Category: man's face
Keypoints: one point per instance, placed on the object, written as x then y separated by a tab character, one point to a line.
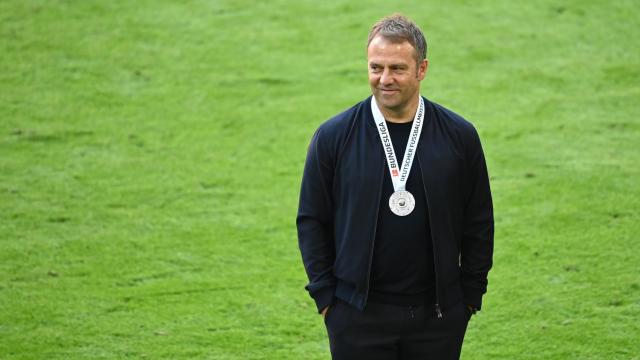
394	76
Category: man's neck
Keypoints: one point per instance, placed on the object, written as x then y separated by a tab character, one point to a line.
403	115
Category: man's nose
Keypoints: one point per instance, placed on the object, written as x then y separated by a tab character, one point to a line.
386	78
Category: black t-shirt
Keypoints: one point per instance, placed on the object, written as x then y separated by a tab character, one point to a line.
402	269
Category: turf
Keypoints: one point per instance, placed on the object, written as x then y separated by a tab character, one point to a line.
151	154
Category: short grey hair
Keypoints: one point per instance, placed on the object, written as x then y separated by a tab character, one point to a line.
398	28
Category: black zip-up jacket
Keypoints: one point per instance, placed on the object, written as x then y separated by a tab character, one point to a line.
340	197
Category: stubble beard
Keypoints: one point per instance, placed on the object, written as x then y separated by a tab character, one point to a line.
394	103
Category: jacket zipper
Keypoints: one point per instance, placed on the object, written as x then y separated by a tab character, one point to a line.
433	243
375	228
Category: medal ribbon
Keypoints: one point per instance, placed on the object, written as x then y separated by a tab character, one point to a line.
399	174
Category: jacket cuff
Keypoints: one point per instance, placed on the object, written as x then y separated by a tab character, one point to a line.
324	297
473	297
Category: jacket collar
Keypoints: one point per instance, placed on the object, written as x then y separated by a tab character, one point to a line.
368	115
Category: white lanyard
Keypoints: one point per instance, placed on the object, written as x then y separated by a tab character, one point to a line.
399	175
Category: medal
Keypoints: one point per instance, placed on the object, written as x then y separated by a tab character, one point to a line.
401	201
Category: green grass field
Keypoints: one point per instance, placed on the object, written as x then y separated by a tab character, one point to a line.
151	154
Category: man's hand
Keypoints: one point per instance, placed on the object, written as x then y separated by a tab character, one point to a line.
324	312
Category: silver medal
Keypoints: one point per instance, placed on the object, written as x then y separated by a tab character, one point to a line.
402	203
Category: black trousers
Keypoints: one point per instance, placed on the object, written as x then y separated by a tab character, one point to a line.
392	332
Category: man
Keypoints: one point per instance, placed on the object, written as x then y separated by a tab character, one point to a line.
397	251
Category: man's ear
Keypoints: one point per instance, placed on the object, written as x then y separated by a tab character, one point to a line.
422	69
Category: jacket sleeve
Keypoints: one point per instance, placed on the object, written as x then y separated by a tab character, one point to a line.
477	236
315	221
